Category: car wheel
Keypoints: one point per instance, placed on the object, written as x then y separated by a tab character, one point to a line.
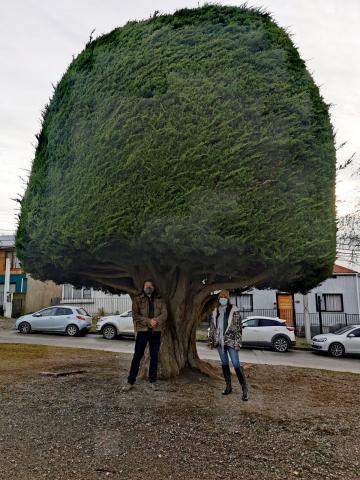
109	332
72	330
281	344
336	349
24	327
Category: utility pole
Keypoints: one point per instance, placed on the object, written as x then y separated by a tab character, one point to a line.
358	293
307	318
7	295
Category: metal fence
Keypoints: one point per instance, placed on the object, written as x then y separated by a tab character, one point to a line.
327	322
99	305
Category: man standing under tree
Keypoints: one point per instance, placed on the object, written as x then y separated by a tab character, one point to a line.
149	315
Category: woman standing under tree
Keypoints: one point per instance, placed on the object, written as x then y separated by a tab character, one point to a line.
226	334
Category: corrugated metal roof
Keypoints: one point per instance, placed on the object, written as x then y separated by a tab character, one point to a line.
7	241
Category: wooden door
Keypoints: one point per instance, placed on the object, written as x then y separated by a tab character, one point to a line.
285	307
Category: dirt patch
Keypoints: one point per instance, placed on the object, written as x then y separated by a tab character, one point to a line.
7	324
298	423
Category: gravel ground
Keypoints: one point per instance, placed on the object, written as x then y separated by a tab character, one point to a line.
297	424
7	323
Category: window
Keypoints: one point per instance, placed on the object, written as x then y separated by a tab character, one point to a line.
68	290
254	322
77	293
82	311
332	302
16	262
48	312
12	289
356	332
342	330
71	293
63	311
267	322
86	293
245	302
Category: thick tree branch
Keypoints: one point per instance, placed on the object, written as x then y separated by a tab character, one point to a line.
232	283
90	273
122	286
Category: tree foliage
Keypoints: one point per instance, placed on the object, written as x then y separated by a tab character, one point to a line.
196	141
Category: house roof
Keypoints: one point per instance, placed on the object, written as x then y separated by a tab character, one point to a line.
340	269
7	241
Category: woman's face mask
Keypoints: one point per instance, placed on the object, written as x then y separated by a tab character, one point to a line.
148	291
223	301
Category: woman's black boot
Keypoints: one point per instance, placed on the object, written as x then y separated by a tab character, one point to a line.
242	380
227	376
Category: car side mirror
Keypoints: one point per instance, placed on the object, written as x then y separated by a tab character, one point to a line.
36	315
351	335
244	325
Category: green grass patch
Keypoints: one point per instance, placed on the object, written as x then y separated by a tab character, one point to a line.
17	353
302	343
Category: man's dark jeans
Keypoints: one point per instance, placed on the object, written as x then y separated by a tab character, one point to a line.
142	338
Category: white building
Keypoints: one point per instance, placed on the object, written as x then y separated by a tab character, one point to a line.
95	301
339	297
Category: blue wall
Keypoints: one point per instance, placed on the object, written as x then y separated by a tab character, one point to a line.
17	280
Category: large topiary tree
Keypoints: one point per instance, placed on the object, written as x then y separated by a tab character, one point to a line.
193	148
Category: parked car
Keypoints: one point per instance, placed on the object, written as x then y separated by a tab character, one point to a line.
113	325
345	340
268	332
59	318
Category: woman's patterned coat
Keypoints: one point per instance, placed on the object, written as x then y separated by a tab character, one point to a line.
233	333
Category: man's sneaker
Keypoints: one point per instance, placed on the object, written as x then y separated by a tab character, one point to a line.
127	387
154	386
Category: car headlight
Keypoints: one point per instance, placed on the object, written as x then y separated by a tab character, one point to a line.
320	339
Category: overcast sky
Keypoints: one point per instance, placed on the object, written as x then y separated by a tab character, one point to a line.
39	37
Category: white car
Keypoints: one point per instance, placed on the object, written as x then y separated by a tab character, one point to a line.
345	340
268	332
113	325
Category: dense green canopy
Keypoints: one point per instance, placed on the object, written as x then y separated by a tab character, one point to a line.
196	140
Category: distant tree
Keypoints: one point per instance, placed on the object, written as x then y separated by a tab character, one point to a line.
194	148
348	225
348	245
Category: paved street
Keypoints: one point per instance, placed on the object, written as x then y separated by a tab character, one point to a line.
294	358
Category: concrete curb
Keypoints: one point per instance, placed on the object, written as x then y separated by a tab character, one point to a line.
304	349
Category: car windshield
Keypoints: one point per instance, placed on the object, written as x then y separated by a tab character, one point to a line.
343	330
82	311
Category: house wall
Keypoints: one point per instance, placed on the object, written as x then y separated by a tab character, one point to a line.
39	294
13	270
263	299
99	302
340	284
344	284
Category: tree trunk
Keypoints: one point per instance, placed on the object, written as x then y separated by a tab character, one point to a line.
178	338
185	301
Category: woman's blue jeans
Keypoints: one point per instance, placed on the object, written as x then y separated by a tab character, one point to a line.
224	356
